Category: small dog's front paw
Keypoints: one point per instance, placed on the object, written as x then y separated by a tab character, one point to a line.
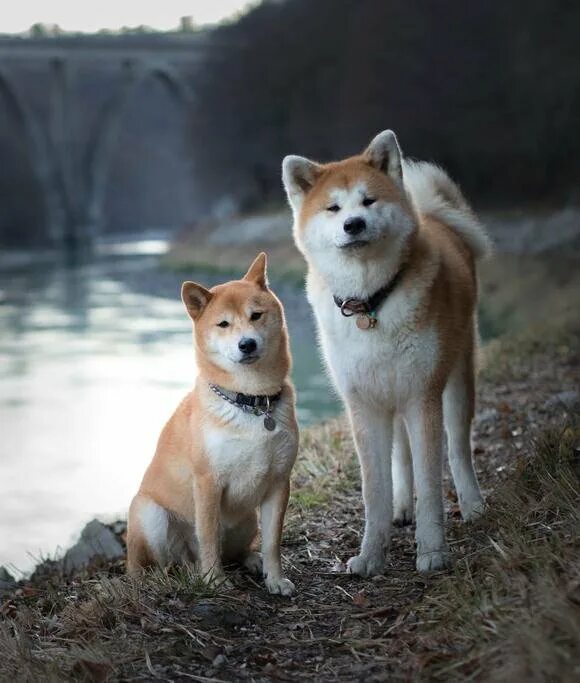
433	561
280	586
363	565
253	563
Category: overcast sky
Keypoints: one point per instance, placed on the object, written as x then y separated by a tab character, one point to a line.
91	15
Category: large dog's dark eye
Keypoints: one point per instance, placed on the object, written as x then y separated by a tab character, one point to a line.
224	323
256	315
368	201
333	208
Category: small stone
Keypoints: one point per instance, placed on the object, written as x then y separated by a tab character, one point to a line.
486	416
219	661
96	541
119	527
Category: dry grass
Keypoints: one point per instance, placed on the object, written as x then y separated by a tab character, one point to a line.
510	608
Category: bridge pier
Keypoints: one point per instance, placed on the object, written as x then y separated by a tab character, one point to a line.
72	169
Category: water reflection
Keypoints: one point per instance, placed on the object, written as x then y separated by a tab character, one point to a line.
93	359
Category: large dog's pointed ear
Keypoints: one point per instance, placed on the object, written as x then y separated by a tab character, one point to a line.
385	155
299	176
195	297
258	271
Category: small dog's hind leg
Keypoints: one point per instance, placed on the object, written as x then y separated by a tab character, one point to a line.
147	534
238	544
254	563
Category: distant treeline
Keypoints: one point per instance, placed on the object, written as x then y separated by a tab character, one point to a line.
491	90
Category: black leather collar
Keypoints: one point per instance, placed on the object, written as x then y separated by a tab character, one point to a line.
256	401
370	306
249	400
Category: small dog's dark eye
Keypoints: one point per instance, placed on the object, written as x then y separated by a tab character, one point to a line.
333	208
256	315
224	323
368	201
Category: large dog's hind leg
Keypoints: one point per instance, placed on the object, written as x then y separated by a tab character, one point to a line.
402	476
373	435
458	408
425	424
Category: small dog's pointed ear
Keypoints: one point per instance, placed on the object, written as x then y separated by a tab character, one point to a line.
299	176
385	155
195	297
258	271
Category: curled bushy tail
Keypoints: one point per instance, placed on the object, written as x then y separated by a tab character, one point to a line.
434	193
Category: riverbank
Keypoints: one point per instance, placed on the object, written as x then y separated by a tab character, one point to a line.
533	276
509	609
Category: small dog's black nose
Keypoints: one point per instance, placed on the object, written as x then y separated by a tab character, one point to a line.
247	345
353	226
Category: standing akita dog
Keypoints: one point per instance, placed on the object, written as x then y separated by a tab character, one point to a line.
391	247
230	445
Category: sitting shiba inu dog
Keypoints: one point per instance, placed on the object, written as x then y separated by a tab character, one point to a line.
391	247
231	444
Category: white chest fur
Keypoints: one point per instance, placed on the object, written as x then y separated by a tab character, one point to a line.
388	363
245	457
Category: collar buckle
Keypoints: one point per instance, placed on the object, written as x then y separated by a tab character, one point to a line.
367	310
345	307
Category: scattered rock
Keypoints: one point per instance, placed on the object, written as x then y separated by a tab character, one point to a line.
219	661
96	541
119	527
570	400
486	416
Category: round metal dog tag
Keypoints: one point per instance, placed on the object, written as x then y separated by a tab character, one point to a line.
270	423
363	322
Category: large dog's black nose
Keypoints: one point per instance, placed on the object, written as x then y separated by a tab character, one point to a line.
353	226
247	345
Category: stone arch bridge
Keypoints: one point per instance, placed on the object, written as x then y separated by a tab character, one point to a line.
69	96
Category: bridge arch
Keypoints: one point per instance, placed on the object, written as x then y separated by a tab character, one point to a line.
39	156
107	135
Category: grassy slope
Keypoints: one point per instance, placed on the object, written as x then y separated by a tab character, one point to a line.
510	608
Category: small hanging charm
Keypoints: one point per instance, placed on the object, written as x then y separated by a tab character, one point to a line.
269	422
366	321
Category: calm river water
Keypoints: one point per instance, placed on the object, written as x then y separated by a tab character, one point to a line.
93	359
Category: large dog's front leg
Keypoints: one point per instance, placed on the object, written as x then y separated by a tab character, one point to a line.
425	426
373	435
272	513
